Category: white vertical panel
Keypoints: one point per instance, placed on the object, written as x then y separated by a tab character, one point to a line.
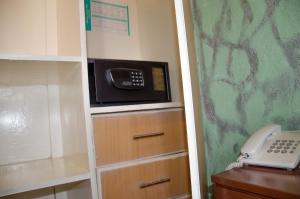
23	27
86	103
188	100
24	124
55	121
71	111
51	27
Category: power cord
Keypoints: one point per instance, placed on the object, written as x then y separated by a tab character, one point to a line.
238	163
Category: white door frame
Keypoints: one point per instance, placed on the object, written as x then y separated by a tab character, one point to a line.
188	99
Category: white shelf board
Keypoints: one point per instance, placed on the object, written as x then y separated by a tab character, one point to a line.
135	107
22	177
29	57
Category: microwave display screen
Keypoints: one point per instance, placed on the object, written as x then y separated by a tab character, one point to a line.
158	79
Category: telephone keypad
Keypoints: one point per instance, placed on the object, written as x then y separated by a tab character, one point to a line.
283	146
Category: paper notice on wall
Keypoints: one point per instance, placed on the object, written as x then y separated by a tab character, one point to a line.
110	17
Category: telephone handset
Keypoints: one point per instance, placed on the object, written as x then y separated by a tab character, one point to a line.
271	147
256	141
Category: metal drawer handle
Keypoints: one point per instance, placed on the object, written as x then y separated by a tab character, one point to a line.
148	135
149	184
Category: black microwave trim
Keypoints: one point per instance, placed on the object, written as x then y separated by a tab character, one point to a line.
100	92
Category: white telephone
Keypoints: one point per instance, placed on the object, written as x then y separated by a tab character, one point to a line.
271	147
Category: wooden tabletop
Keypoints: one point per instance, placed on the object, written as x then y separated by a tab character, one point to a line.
274	183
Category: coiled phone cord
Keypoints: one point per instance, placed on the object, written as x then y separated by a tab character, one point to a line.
238	163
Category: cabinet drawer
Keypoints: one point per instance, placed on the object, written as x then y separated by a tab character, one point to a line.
129	136
162	179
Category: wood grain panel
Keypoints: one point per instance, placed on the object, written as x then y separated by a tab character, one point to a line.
128	182
224	193
130	136
264	182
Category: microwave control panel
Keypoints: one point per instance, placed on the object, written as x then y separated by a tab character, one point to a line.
125	78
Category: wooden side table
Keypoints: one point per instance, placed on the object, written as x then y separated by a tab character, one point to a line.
251	182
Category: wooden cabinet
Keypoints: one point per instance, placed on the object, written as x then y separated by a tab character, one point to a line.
159	180
130	136
142	154
255	182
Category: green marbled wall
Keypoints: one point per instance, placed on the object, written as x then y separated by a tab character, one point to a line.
248	56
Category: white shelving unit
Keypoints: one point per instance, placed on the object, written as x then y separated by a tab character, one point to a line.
45	140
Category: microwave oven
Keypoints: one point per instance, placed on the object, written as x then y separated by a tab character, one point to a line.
118	82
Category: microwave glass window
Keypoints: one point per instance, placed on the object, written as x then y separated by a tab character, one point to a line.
158	79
